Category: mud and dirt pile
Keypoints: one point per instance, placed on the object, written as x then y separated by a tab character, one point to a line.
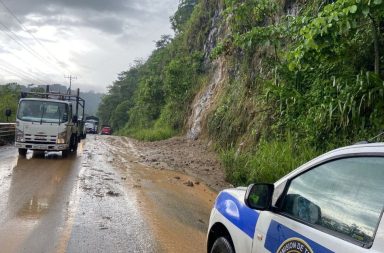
193	157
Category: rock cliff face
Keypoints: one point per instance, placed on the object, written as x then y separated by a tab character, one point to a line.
204	101
226	69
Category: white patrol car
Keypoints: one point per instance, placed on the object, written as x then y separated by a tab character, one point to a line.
333	203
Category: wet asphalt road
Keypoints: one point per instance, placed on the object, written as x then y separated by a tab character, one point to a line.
98	200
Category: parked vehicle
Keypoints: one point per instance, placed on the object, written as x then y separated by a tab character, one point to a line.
91	127
106	130
333	203
48	122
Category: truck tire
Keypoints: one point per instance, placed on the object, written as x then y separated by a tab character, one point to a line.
65	153
73	143
22	151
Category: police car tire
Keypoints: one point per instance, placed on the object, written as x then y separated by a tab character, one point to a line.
222	245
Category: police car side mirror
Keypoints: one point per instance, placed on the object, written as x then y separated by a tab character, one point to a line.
259	196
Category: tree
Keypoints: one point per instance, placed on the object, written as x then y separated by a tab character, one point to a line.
165	39
9	94
182	15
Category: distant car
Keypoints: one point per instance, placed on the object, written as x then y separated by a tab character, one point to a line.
106	130
333	203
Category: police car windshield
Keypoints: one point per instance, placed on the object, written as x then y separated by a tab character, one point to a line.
42	111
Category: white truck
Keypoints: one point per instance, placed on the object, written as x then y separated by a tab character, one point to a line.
49	122
91	126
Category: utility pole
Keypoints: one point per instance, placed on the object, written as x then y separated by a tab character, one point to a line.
70	77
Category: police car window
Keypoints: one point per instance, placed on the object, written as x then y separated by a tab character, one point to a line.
344	196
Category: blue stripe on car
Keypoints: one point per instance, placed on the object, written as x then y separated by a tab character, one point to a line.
237	212
278	233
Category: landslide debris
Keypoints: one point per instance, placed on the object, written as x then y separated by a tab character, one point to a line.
193	157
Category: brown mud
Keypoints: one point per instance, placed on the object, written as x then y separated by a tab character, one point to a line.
193	157
178	205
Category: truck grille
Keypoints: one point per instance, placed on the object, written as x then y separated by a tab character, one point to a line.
40	139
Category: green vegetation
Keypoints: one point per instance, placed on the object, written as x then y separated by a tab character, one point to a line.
272	160
310	81
9	95
301	78
150	101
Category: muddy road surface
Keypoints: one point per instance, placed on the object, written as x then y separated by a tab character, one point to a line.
105	198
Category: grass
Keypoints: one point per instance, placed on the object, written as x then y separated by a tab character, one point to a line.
268	163
150	134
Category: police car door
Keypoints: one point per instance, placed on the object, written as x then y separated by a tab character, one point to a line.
333	207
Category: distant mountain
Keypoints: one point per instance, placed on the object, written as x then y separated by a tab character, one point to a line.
92	101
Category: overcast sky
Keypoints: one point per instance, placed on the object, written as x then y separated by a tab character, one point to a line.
93	40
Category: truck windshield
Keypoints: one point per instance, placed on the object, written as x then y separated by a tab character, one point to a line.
42	111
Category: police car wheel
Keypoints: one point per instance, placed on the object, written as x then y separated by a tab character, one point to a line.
222	245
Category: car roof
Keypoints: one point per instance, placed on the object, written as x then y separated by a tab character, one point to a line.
376	148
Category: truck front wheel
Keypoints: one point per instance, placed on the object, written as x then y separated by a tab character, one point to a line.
73	143
22	151
65	153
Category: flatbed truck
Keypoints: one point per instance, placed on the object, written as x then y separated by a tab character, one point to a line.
49	121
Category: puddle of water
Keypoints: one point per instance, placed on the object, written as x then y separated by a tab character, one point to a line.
32	200
14	232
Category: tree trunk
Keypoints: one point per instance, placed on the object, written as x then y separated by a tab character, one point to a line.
376	45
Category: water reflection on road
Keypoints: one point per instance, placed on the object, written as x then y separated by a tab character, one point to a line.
33	197
101	199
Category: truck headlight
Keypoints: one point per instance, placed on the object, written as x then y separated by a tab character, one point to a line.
19	135
61	137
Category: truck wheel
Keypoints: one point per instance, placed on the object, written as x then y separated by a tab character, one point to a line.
65	153
73	143
22	151
222	245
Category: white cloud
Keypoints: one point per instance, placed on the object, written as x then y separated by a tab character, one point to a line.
91	39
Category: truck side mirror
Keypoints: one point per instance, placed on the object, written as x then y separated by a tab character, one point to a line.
259	196
8	112
74	119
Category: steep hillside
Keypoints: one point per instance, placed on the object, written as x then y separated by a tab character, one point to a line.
271	83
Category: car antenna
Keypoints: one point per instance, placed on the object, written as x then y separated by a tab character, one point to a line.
376	137
370	140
